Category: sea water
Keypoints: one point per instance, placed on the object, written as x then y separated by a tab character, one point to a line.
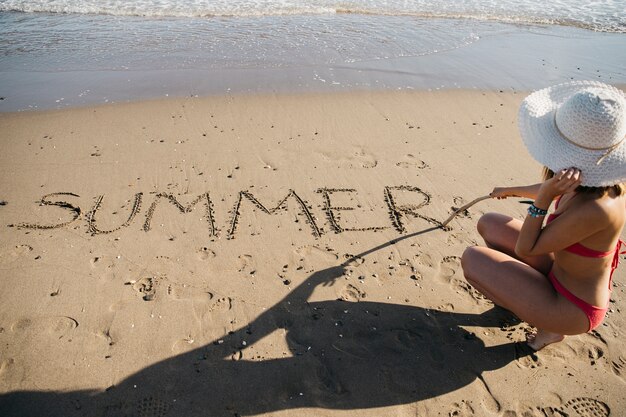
55	53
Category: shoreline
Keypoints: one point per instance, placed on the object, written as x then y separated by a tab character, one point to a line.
510	58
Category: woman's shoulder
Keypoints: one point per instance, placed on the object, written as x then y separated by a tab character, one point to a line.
607	208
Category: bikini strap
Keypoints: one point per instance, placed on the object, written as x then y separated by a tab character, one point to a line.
558	200
618	251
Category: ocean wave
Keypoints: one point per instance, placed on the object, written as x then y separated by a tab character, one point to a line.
617	27
587	16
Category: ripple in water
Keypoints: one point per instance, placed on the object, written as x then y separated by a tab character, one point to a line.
43	42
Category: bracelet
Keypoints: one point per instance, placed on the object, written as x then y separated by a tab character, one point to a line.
534	211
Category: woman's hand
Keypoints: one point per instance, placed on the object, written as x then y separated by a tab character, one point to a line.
502	193
564	181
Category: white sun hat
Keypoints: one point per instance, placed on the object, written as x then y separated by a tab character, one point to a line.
579	124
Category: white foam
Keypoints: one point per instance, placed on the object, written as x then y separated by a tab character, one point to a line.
606	15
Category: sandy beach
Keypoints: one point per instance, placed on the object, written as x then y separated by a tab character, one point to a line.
273	255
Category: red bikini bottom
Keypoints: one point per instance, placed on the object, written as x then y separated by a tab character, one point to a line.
593	313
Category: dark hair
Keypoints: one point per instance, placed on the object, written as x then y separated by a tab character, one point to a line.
619	189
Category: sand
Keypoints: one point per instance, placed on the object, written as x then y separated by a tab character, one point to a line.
273	255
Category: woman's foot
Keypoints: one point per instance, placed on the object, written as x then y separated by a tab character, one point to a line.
542	338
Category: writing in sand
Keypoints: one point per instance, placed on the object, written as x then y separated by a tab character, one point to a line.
397	212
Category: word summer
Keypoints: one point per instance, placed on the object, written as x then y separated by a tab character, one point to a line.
244	201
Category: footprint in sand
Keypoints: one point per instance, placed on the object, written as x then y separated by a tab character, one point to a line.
146	287
448	268
221	304
152	407
594	354
205	253
247	264
12	372
353	260
105	335
579	407
408	340
531	361
187	292
313	256
393	381
183	345
356	159
6	365
461	409
592	350
422	266
406	267
58	325
329	382
326	254
351	293
410	161
12	254
364	159
619	366
459	202
267	164
425	260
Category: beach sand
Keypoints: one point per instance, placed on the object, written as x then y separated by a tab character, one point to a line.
273	255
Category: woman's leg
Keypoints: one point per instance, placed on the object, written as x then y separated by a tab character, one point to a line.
500	232
525	291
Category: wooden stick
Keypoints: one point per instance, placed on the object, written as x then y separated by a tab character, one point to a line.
465	207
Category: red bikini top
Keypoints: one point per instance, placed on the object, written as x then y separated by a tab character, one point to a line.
581	250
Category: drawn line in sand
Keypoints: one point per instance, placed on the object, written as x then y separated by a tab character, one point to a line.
464	208
63	204
332	211
304	207
205	196
396	212
91	217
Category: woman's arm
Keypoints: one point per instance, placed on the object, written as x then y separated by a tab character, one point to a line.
526	191
572	226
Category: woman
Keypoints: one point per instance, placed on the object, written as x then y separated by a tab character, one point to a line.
555	272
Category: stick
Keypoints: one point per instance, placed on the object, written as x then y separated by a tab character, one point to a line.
465	207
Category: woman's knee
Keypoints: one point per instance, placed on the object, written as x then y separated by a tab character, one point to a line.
489	222
470	260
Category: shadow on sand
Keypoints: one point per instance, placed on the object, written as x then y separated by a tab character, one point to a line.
343	355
